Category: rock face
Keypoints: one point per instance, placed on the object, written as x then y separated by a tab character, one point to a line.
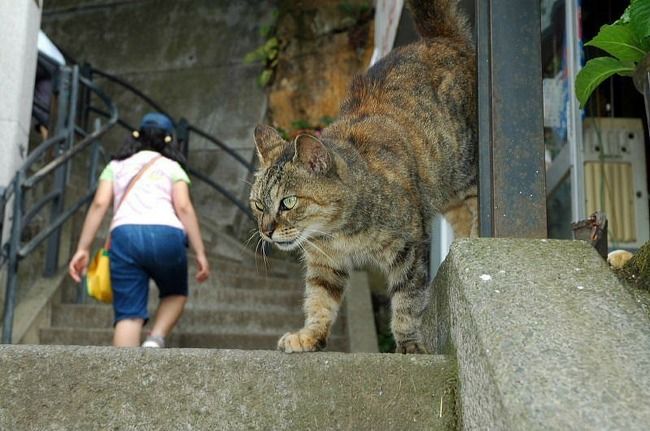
323	45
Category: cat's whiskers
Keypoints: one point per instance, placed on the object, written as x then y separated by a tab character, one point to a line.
250	238
260	242
311	243
321	233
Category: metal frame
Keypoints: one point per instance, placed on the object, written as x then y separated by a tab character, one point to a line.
511	146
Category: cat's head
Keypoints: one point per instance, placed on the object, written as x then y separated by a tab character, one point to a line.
297	194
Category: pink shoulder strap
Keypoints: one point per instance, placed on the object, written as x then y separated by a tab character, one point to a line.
134	180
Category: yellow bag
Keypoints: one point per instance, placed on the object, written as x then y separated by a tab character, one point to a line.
98	277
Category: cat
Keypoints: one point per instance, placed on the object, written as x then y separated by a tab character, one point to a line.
402	149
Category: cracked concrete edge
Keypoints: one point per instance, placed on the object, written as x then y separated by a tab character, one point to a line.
545	336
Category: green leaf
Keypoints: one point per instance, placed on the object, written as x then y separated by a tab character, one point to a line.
595	72
256	55
300	124
265	77
640	19
270	44
265	30
618	41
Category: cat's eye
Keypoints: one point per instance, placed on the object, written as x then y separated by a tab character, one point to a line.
258	205
288	202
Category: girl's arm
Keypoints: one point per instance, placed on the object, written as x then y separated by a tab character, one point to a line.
96	212
185	211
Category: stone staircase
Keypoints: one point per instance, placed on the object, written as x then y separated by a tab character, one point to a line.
227	376
540	335
240	307
101	388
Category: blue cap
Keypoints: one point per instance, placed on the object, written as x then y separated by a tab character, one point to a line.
157	120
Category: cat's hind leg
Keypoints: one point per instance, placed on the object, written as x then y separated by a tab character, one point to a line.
409	293
324	287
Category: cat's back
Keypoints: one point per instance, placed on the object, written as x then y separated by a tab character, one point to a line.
426	77
412	115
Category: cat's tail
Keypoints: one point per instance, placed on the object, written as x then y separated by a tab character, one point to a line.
439	18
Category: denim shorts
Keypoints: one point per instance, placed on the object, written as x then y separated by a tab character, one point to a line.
142	252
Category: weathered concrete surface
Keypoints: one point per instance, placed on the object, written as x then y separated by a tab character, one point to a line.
145	389
546	337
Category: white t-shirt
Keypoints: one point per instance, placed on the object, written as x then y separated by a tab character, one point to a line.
150	200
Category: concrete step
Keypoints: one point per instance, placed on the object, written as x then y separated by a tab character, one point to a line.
246	280
194	319
276	300
257	290
217	282
211	340
273	299
545	335
259	268
48	387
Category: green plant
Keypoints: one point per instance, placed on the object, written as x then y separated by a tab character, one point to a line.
627	41
355	11
356	18
301	125
267	53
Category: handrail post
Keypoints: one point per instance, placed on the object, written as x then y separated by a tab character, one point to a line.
3	202
12	266
512	195
85	71
183	137
65	125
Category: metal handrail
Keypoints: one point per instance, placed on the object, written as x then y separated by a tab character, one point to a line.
67	129
64	142
92	137
221	145
190	128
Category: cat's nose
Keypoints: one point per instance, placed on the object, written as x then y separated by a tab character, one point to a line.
269	228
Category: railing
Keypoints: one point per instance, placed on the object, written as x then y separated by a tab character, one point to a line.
75	88
184	132
65	145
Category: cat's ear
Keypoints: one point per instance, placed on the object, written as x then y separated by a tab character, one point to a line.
269	144
312	154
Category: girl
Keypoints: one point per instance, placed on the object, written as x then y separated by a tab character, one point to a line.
149	232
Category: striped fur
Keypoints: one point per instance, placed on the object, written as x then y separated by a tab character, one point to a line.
402	150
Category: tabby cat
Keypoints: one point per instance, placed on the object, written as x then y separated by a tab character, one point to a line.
402	150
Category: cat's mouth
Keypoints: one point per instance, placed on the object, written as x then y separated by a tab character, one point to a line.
286	245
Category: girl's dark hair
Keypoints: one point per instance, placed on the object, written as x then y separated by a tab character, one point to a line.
153	139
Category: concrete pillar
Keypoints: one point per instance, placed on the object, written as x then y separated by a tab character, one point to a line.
19	24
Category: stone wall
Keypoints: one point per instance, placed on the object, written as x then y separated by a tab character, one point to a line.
323	45
188	56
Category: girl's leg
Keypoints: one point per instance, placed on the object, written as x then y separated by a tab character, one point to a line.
168	313
127	333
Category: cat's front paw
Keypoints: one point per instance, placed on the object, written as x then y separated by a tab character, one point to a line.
410	347
301	341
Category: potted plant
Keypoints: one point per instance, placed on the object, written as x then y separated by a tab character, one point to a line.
627	41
